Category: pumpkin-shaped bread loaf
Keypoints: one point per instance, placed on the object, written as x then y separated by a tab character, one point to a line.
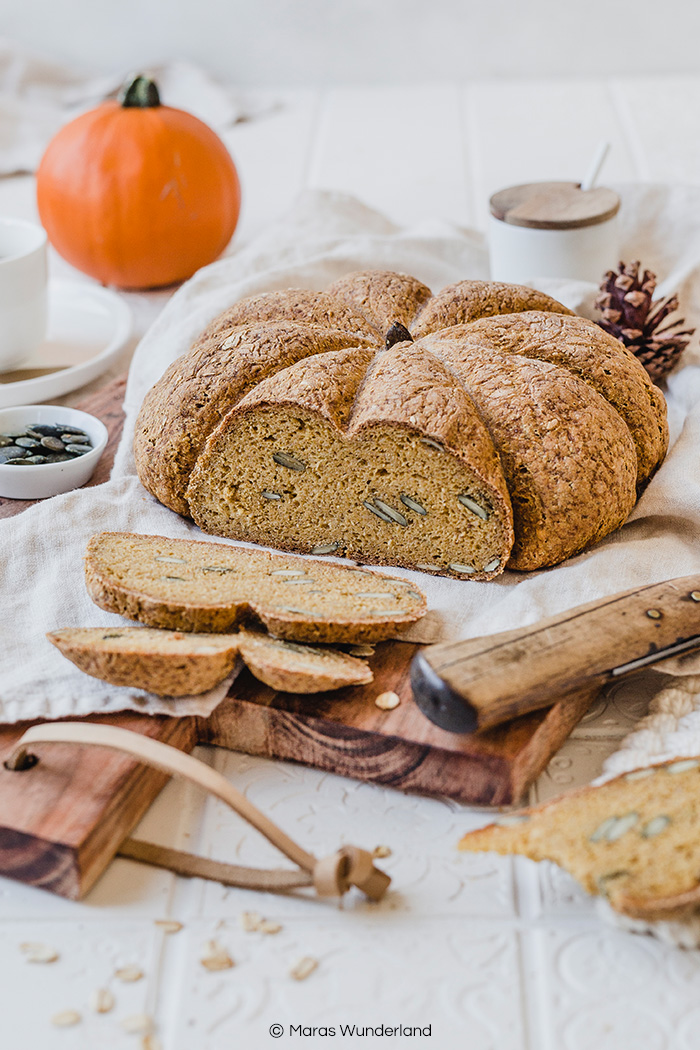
458	433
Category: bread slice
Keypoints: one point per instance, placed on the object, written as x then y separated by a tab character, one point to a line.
167	663
295	668
634	840
190	585
175	663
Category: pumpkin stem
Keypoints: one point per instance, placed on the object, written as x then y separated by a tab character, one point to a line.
140	92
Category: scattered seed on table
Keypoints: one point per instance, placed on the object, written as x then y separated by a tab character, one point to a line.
129	974
387	701
381	851
169	925
138	1024
35	952
66	1018
102	1001
269	926
303	968
151	1042
216	958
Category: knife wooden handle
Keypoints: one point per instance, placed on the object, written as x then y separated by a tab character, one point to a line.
474	684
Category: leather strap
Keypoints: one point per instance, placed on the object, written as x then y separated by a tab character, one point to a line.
330	876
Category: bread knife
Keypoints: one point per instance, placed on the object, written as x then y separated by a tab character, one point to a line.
481	682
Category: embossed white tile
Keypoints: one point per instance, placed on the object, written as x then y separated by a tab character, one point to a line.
464	981
601	989
322	811
554	893
89	954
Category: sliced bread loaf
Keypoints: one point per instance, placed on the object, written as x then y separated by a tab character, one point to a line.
189	585
175	663
634	840
411	480
167	663
302	419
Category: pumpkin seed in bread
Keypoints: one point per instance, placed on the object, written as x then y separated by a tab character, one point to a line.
634	840
190	585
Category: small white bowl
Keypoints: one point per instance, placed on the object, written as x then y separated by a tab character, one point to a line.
38	480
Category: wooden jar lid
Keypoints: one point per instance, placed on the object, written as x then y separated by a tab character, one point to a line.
554	205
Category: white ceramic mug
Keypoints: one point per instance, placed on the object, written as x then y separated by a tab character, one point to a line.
23	297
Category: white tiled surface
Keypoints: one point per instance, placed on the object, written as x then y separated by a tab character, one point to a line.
494	954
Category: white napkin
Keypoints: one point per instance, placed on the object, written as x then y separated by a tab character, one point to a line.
38	96
327	235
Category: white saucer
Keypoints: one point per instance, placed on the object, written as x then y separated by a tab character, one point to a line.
88	327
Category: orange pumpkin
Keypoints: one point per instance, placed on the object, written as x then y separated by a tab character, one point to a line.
138	194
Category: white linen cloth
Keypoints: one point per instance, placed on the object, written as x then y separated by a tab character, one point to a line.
37	96
326	235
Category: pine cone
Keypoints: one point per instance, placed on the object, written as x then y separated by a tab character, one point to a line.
629	314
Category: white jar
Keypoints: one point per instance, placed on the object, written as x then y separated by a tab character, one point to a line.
553	229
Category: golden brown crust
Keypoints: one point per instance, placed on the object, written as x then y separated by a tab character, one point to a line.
195	393
598	358
294	668
382	296
539	417
467	300
294	304
327	384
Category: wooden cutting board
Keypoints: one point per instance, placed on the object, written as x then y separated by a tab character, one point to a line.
62	821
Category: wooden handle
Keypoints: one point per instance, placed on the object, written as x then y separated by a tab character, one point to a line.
471	685
330	876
